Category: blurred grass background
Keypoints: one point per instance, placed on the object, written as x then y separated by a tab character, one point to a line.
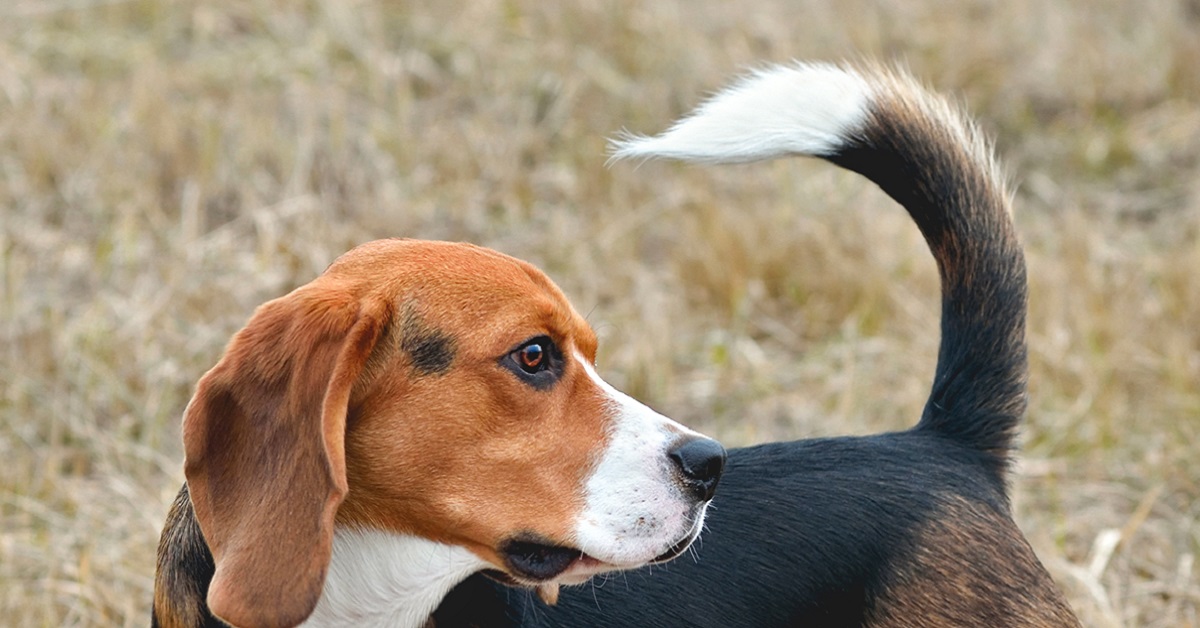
166	166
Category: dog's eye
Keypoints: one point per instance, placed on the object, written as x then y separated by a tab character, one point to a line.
537	361
531	358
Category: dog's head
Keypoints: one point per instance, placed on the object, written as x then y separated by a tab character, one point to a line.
439	390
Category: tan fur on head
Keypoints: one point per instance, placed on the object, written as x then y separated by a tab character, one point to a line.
266	434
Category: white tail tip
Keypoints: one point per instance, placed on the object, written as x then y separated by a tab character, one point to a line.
802	109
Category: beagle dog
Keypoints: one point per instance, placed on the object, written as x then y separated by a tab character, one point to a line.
422	428
420	412
906	529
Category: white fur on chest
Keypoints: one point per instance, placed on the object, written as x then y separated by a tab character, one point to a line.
383	579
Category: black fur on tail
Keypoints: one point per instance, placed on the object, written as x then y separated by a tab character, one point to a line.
931	160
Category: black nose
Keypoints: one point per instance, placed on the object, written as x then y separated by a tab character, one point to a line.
700	462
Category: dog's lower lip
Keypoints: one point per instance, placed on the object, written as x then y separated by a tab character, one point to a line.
674	551
533	561
540	562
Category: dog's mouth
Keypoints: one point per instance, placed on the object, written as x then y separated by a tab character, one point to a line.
533	561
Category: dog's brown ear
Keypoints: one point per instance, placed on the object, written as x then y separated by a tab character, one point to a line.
265	462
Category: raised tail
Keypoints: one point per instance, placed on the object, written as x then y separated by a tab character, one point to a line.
932	160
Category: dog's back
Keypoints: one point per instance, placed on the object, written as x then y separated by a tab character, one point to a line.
905	529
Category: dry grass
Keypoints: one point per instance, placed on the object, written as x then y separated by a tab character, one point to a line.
165	166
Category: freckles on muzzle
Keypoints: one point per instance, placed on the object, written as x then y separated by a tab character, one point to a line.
650	509
647	493
635	515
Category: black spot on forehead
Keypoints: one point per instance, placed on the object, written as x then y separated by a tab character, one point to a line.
431	350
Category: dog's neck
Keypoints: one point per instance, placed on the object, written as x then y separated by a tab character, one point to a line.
374	578
384	579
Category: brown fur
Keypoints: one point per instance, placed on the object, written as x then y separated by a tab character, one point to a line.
970	566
